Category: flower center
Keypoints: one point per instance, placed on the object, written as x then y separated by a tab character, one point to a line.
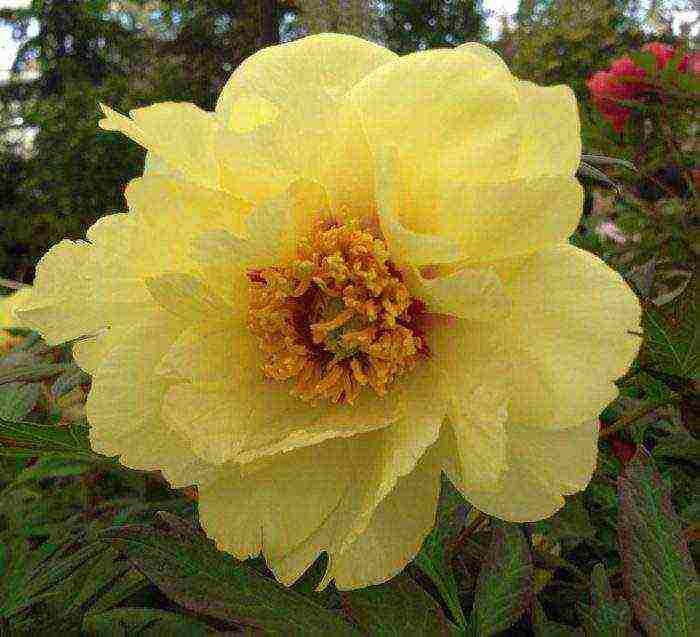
337	317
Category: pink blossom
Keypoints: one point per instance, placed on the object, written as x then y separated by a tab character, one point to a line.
610	230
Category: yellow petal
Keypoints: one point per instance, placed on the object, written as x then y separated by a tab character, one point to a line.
277	508
469	293
251	416
396	532
126	393
453	116
492	221
151	446
393	196
174	209
485	55
476	371
542	465
153	165
180	133
284	115
190	299
568	337
551	130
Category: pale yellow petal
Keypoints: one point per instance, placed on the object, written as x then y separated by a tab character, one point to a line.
542	465
476	370
251	416
396	532
493	221
551	130
469	293
277	508
284	115
180	133
174	209
152	446
190	299
485	55
125	391
452	115
394	195
153	165
568	335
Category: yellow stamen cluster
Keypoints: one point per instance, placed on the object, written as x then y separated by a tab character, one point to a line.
335	318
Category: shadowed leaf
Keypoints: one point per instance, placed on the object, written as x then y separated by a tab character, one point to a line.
658	573
398	607
189	570
504	586
605	616
433	559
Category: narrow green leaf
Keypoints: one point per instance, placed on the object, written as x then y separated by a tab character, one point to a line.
504	586
18	399
605	616
398	607
189	570
53	467
43	437
659	576
433	558
33	372
145	622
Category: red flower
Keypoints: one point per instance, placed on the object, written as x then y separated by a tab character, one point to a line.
606	88
662	52
690	63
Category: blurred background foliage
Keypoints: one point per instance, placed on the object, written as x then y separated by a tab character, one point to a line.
59	172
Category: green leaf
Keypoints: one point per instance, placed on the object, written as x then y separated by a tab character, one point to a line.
33	372
645	60
53	467
571	521
433	558
18	399
605	616
659	576
39	438
189	570
504	587
398	607
672	337
146	622
680	445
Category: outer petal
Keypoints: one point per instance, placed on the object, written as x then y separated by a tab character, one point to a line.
307	500
180	133
542	465
551	131
125	391
396	532
452	114
474	223
568	337
82	287
285	112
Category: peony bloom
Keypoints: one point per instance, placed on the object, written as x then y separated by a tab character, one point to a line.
352	275
662	52
605	90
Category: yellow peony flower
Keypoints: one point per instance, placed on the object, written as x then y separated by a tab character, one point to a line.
352	275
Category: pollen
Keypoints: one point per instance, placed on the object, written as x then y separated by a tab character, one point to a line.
337	319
